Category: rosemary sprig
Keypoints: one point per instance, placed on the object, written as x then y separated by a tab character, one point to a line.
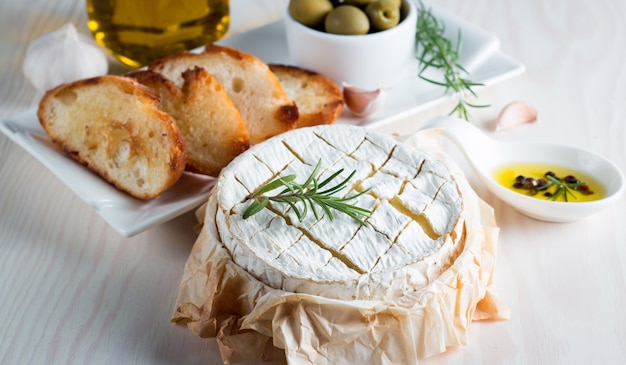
436	51
562	188
310	194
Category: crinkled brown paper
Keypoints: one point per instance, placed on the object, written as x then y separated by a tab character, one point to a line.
254	322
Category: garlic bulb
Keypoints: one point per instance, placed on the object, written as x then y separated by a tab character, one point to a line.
63	56
362	102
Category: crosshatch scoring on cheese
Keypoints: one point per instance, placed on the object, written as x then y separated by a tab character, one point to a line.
414	233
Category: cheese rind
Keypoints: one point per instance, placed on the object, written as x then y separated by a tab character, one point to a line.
413	234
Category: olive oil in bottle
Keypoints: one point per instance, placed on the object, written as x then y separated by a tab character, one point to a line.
139	32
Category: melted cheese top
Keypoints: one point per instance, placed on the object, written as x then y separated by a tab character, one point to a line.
414	233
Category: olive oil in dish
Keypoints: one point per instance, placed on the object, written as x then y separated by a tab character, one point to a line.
141	31
583	187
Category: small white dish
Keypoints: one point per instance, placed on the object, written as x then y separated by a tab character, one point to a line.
480	56
485	155
368	61
127	215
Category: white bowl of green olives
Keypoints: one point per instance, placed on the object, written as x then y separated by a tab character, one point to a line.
369	44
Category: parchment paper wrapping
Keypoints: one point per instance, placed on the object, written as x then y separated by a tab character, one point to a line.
254	322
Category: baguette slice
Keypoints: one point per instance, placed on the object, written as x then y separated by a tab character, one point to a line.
112	125
255	90
318	98
213	127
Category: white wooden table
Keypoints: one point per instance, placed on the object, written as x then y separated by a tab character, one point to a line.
73	291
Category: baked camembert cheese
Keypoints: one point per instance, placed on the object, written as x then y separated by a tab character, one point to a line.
403	286
413	234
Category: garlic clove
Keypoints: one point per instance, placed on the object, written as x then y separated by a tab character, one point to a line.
62	56
363	102
514	114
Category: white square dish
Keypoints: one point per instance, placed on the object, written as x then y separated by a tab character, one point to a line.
480	55
125	214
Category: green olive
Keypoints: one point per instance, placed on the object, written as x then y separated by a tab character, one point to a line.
310	12
383	14
358	2
348	20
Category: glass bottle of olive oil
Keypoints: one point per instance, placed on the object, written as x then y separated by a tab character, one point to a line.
138	32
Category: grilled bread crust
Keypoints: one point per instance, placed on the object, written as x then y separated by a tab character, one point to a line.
252	86
319	99
112	125
215	130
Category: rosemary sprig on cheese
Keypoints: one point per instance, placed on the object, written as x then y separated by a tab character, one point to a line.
311	194
436	51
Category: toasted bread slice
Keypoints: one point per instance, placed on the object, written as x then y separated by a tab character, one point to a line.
112	125
255	90
318	98
215	130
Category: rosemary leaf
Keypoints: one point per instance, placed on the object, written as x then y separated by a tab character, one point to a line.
309	194
434	50
256	206
562	188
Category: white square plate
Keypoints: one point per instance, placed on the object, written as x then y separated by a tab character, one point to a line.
480	55
125	214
